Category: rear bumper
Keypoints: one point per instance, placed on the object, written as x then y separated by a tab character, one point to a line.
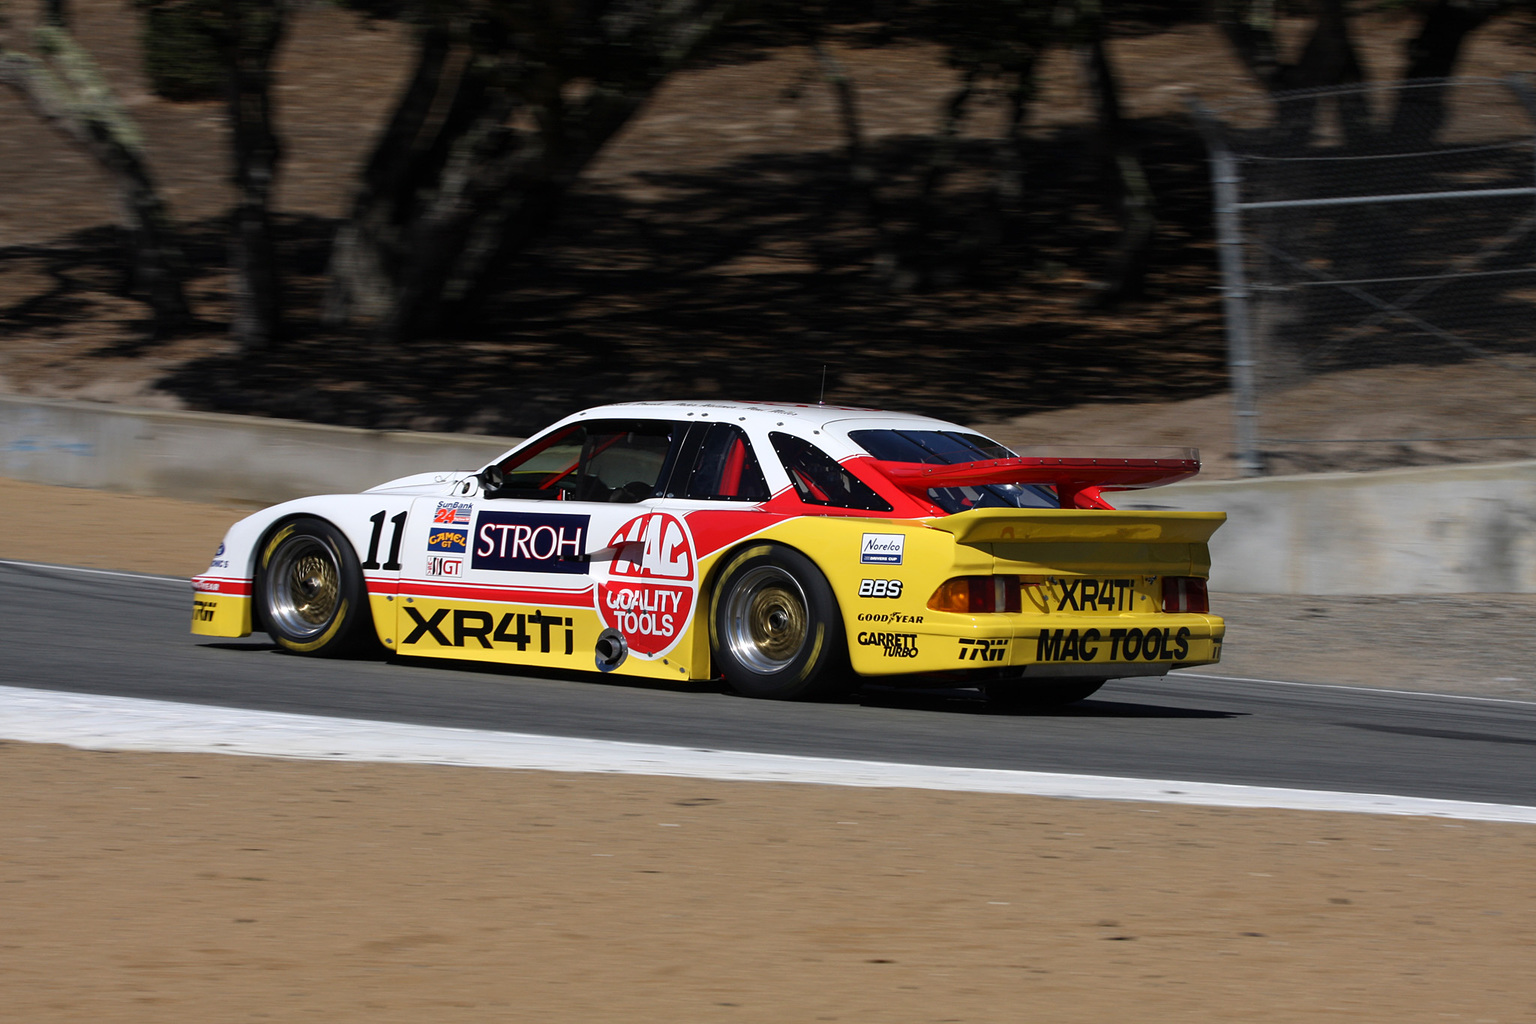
1091	647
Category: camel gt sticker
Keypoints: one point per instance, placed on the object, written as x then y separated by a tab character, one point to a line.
651	585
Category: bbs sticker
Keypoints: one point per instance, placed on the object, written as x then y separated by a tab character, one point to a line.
879	588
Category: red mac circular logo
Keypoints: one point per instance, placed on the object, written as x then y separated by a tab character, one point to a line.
649	593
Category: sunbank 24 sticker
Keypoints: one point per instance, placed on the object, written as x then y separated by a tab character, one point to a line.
652	583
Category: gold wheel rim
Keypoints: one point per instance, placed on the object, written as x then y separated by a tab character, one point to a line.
767	622
305	590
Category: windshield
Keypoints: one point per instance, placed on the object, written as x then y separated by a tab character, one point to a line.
947	447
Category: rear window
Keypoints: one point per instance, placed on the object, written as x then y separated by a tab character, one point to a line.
720	466
818	478
947	447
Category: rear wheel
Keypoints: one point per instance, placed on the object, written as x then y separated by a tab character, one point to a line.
1024	695
775	627
309	590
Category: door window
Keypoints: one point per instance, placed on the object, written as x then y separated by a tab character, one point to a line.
603	460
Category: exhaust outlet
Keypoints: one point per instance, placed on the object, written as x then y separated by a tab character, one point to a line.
611	650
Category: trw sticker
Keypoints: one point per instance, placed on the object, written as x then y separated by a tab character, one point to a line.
652	584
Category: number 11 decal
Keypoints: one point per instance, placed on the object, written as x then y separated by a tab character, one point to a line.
377	519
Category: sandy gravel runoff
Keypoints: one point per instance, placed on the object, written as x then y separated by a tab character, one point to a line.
178	888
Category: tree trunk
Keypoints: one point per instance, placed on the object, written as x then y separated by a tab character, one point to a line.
69	93
1327	59
367	252
455	186
1009	182
251	33
1131	195
1249	26
862	177
1432	54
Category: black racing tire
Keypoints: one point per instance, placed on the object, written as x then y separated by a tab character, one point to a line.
775	628
1028	695
310	595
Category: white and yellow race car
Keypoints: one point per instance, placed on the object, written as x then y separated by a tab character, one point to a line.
792	549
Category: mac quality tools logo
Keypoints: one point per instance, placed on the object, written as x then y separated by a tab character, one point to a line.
650	590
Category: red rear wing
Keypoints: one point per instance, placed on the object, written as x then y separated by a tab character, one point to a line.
1078	479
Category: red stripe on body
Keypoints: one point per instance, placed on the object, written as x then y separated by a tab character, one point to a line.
231	585
504	595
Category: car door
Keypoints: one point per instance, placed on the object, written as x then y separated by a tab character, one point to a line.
516	574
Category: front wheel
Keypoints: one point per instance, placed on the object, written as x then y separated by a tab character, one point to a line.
309	590
776	631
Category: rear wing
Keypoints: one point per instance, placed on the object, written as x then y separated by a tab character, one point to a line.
1079	479
1087	526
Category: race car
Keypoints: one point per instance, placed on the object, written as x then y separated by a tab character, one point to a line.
792	550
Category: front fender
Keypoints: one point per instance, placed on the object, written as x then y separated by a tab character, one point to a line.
223	605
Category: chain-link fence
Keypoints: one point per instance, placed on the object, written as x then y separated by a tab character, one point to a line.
1378	256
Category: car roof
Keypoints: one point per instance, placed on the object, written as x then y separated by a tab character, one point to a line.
837	419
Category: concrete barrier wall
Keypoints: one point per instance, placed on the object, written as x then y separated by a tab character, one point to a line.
1452	529
212	457
1443	530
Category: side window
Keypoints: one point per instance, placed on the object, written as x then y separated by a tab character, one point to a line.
604	460
819	480
719	464
544	470
622	461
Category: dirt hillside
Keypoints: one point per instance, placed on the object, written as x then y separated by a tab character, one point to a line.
713	251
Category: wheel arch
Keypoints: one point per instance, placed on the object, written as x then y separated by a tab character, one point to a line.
272	534
711	580
259	549
826	673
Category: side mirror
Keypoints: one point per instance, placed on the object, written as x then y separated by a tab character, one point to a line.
491	480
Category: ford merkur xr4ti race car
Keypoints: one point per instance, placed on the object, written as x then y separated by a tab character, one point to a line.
793	550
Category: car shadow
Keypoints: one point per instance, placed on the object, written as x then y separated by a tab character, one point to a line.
938	700
973	702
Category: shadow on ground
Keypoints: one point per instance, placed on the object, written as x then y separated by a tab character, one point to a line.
751	280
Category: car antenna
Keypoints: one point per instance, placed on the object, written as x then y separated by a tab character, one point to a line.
823	399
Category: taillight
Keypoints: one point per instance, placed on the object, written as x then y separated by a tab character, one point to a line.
970	595
1185	594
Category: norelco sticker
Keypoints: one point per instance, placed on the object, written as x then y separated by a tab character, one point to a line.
882	548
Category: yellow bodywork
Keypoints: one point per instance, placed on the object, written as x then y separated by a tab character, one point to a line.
1062	558
1056	551
221	614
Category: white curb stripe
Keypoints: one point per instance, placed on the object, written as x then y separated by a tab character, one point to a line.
94	572
1185	674
127	723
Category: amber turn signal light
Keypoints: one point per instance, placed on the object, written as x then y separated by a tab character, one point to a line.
970	595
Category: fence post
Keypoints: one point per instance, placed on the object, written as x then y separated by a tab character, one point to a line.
1226	182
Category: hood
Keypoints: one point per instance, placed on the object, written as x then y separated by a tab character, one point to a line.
448	482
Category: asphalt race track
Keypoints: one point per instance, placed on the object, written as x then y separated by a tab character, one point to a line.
127	635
